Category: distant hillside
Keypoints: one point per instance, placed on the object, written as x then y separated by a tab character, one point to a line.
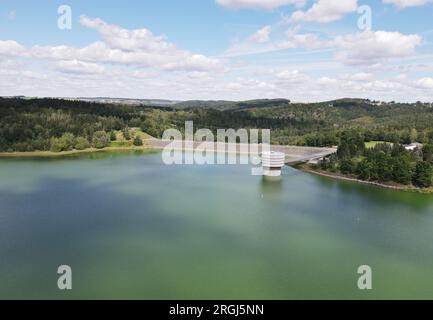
233	105
30	124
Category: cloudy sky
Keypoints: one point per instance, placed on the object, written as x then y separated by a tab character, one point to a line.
303	50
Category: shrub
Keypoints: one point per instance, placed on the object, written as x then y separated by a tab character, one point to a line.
55	145
100	140
82	143
126	134
138	141
113	136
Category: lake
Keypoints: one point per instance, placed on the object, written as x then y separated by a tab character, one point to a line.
131	227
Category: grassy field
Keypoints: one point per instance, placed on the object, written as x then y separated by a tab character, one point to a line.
372	144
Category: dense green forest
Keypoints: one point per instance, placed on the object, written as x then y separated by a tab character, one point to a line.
55	124
384	162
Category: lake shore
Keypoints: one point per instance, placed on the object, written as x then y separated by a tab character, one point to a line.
50	154
339	176
149	148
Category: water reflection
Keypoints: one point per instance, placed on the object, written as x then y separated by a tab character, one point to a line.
271	185
379	194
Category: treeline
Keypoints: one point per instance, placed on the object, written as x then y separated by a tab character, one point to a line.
61	125
327	138
385	162
49	124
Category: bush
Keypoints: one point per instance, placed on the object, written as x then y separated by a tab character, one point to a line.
68	141
126	134
347	166
364	170
113	136
82	143
65	143
55	145
138	141
100	140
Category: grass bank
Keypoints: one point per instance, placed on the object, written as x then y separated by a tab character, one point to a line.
50	154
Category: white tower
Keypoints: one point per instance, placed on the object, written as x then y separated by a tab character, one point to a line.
272	162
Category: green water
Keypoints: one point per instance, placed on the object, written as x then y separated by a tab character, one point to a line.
131	227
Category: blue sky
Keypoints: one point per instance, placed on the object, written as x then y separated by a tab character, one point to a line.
304	50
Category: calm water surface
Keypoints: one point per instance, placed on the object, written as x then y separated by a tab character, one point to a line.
131	227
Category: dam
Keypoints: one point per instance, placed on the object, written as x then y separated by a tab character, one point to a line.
292	154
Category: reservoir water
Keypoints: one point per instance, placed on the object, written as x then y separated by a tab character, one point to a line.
132	227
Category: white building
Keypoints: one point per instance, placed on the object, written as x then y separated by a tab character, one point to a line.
413	146
272	162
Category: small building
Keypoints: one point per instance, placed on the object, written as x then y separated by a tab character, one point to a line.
413	146
315	161
272	162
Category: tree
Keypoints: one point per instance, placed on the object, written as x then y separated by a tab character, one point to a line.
406	138
423	175
138	141
343	151
364	169
82	143
347	166
65	143
398	150
126	134
414	135
383	166
68	141
100	140
113	136
427	152
402	170
56	145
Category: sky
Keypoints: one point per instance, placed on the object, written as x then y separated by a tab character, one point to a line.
302	50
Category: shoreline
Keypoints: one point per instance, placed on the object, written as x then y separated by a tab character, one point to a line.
153	145
341	177
149	148
50	154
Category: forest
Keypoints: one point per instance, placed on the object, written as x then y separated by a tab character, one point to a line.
383	163
56	124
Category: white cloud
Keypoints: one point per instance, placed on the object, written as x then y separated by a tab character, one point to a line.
383	85
361	76
11	48
363	48
262	35
137	63
291	76
326	81
407	3
121	46
260	4
424	83
251	84
294	39
79	67
324	11
370	47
